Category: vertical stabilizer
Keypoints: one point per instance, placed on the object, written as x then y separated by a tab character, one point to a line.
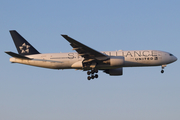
23	47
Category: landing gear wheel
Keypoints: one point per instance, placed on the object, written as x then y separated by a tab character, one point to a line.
92	71
89	78
92	76
96	76
162	66
88	72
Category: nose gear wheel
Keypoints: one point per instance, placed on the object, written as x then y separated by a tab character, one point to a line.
163	66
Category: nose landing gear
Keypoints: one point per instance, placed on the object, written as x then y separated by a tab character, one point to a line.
92	74
163	66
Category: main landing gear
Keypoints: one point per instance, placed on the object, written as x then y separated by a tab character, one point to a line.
91	74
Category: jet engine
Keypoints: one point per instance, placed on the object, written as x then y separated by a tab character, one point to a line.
114	72
116	61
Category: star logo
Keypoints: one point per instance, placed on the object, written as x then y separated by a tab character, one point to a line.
24	48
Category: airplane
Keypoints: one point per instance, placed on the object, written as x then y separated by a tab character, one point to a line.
86	58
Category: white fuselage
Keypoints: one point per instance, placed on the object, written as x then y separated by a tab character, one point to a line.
74	61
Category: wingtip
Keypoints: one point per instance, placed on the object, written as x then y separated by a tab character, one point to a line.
12	30
64	35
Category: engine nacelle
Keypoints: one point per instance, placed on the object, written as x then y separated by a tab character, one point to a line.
116	61
115	72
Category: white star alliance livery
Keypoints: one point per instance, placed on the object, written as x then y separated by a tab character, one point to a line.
87	59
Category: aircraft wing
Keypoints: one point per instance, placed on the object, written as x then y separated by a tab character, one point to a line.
85	51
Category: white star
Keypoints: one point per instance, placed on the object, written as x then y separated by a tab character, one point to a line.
24	48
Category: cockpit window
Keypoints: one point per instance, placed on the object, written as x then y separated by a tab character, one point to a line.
171	54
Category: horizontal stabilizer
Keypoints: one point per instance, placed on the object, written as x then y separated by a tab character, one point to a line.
17	55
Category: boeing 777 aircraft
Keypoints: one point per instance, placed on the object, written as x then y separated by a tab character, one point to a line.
87	59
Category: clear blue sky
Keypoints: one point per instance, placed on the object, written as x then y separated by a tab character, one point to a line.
31	93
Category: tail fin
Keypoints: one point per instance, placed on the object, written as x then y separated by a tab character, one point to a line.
23	47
